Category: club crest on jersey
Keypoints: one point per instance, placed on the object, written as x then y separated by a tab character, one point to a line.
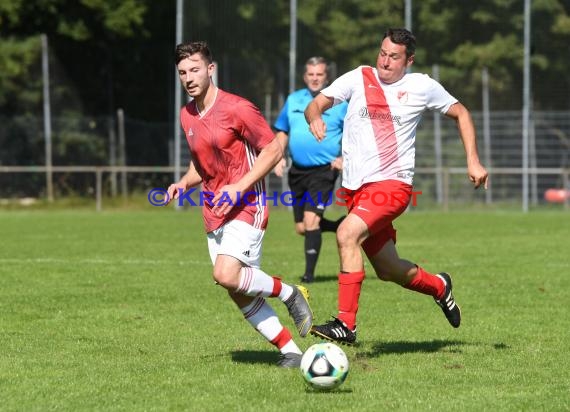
403	97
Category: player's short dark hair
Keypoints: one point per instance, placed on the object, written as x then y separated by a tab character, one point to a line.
402	36
185	50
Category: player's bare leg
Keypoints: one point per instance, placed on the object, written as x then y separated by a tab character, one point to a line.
390	267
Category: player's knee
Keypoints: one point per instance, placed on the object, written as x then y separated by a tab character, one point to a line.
218	278
223	279
345	236
384	276
311	221
393	274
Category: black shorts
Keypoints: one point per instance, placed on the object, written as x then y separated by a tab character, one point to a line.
312	189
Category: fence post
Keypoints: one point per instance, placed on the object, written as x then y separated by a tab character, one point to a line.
566	187
47	118
122	151
487	130
112	154
98	189
445	189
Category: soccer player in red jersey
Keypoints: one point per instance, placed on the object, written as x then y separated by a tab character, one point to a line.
232	149
378	149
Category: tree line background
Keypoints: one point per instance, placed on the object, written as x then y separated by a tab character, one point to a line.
110	54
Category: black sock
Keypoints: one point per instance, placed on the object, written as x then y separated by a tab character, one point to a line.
329	225
313	241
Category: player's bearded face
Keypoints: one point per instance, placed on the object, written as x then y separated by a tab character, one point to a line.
194	73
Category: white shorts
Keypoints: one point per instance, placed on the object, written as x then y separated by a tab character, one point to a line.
239	240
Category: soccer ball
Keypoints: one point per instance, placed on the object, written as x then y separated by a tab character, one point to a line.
324	366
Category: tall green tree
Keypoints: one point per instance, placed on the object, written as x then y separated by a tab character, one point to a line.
106	54
461	37
80	36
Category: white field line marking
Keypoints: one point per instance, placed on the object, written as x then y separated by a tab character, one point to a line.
98	261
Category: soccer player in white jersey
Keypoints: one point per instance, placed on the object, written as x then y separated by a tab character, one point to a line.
233	149
378	148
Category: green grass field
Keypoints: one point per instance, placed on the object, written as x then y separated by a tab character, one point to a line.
117	312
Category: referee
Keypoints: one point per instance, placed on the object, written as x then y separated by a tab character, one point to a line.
315	165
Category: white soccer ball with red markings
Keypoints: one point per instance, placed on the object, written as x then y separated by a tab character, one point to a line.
324	366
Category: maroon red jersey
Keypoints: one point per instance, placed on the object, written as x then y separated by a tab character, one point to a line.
224	142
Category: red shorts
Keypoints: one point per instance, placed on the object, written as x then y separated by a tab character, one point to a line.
378	204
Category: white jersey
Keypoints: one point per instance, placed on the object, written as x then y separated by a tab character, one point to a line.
378	141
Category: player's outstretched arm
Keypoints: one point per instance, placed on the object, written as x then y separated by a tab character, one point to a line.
314	112
475	170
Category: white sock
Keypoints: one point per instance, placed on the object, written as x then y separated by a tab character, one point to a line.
291	347
263	318
255	282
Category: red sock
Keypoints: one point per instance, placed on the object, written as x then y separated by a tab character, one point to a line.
427	284
349	285
277	286
282	338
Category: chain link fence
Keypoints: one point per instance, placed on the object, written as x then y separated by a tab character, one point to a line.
142	159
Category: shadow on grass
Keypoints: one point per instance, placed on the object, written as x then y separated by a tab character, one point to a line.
378	349
334	278
255	357
336	391
270	358
401	347
325	278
